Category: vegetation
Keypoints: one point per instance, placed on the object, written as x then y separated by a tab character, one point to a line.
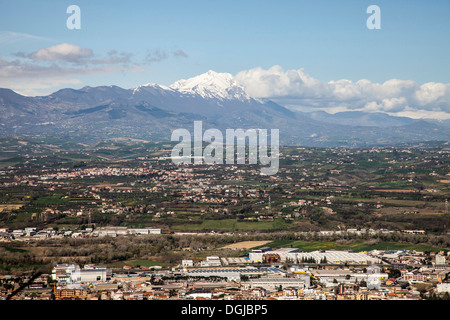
72	187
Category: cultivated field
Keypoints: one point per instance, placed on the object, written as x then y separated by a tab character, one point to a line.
245	245
8	207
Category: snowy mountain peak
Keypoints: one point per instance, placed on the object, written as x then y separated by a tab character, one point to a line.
212	85
151	87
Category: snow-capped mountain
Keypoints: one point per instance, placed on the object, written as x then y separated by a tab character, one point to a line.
212	85
152	87
210	94
152	111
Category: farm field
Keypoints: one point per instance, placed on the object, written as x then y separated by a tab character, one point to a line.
246	245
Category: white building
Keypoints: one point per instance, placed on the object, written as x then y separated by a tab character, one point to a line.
273	284
331	278
89	276
440	261
62	272
144	231
30	231
18	233
212	261
199	294
120	231
72	273
187	263
110	231
443	287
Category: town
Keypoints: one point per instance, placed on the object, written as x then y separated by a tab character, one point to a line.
120	221
263	274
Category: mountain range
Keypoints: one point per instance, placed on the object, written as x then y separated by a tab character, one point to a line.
152	111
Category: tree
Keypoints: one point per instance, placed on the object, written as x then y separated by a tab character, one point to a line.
394	273
172	293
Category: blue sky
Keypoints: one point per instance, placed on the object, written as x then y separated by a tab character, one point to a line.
163	41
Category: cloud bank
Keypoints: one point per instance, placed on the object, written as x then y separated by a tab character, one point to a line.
298	90
62	52
63	63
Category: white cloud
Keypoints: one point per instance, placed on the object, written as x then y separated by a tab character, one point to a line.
8	37
436	93
180	53
114	58
66	61
386	105
62	52
421	114
59	65
159	55
33	79
297	89
37	87
275	82
23	70
75	55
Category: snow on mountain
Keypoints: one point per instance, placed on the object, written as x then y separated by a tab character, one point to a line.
152	111
212	85
153	87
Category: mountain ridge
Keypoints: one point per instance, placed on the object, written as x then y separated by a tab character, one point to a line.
362	118
152	111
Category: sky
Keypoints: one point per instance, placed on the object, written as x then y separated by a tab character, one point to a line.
304	54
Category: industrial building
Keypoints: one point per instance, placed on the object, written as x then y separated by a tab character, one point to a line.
187	263
330	278
329	256
72	273
233	274
275	283
212	261
121	231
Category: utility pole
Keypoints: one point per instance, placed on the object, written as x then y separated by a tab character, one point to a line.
270	208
